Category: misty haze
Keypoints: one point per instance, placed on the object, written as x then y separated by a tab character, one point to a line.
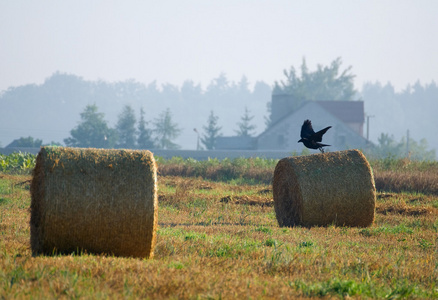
220	59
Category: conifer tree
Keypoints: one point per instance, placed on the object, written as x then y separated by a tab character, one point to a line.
245	126
211	132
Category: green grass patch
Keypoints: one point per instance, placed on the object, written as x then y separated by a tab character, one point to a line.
271	242
369	289
264	229
387	229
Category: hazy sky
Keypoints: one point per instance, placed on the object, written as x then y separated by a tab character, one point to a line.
174	40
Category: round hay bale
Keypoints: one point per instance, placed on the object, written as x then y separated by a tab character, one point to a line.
94	200
322	189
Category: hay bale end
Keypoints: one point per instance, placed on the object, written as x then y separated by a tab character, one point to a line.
323	189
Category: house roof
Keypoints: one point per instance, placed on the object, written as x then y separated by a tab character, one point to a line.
346	111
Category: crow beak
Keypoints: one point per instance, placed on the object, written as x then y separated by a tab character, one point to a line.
300	140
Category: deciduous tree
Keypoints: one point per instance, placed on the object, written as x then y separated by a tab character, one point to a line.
26	142
126	128
389	147
326	83
166	131
145	140
93	131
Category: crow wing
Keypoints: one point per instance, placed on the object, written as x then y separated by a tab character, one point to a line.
307	130
318	136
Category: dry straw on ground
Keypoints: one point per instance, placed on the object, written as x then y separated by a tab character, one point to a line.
322	189
94	200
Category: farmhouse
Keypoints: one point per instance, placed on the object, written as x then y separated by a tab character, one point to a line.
287	115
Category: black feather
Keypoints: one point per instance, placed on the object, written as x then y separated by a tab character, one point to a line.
310	138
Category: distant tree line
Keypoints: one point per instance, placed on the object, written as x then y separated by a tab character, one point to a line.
30	142
160	133
93	131
62	98
408	115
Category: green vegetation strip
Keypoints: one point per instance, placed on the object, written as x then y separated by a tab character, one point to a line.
17	163
391	174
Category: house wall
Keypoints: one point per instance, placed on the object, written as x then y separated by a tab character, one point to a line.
278	138
357	127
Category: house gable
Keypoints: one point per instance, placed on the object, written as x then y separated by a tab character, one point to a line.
285	133
349	112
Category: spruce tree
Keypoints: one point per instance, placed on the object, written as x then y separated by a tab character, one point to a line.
211	132
245	126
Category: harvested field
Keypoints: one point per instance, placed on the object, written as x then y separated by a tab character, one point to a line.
210	248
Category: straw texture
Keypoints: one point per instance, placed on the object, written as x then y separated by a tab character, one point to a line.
94	200
322	189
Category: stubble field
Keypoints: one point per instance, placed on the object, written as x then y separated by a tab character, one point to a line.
220	239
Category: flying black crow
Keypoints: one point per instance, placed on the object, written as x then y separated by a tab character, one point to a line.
311	139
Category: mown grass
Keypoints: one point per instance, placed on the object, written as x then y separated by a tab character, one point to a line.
221	240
